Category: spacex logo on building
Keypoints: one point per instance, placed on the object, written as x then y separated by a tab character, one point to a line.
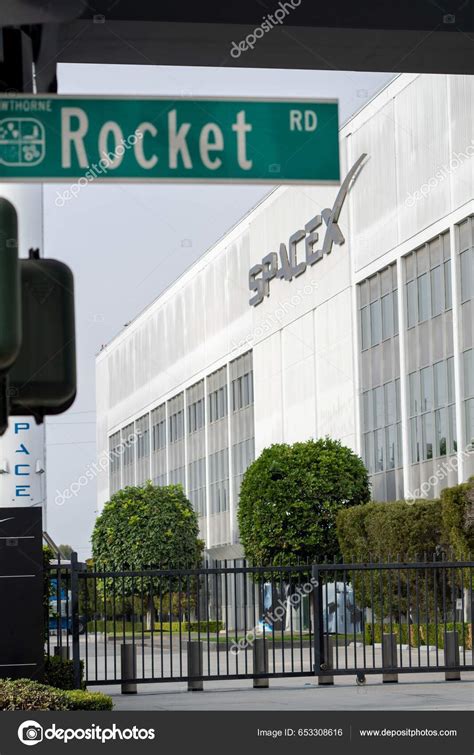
285	263
32	733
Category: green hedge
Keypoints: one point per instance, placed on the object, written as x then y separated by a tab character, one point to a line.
390	530
165	626
395	531
26	694
457	506
191	626
407	530
79	699
60	673
419	634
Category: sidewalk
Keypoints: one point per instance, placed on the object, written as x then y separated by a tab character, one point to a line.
413	692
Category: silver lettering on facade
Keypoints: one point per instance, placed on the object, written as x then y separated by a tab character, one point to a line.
285	263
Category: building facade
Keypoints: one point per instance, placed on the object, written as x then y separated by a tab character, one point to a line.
343	311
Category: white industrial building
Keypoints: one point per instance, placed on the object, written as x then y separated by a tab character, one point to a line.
300	323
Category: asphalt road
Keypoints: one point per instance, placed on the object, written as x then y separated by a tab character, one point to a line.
420	690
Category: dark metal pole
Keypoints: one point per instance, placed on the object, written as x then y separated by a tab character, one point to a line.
260	663
317	599
76	659
128	669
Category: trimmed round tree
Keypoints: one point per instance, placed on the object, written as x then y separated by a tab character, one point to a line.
290	497
147	527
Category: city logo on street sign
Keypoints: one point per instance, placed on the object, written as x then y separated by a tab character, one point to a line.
70	138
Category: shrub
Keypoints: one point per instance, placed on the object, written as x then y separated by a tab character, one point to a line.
204	626
457	507
60	673
390	530
27	694
79	699
192	626
398	532
419	634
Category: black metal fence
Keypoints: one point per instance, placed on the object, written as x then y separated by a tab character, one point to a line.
235	621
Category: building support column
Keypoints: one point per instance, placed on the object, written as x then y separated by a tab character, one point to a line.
457	350
404	402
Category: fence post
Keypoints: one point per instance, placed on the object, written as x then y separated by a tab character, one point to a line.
260	663
328	661
128	660
389	656
195	665
318	626
76	657
61	651
451	656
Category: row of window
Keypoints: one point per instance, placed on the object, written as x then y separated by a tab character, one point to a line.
433	434
197	485
242	392
176	426
429	294
431	387
196	416
218	404
379	320
166	432
381	405
431	390
381	423
467	274
159	435
383	449
431	410
142	440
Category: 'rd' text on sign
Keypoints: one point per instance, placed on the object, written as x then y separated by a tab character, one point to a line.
127	139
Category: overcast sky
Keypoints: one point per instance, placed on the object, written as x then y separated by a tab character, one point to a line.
127	242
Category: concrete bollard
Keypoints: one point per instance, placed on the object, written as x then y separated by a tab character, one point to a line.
389	656
61	651
451	656
260	663
195	665
328	661
128	658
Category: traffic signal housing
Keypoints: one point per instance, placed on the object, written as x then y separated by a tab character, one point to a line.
42	380
10	291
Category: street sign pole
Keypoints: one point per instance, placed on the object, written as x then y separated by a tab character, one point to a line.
10	306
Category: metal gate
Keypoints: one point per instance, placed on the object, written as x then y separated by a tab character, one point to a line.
235	621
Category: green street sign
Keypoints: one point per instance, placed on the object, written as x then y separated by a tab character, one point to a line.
84	139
